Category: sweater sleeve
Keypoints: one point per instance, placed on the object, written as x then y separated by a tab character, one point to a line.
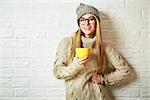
61	70
121	68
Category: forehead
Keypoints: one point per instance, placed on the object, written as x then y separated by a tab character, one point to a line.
87	15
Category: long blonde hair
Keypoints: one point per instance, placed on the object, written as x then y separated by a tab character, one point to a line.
76	42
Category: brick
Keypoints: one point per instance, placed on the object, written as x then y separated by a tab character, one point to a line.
139	62
50	91
137	44
45	5
22	73
127	14
144	98
12	43
30	34
6	33
21	15
32	53
145	14
39	82
14	63
136	5
130	53
121	34
5	73
45	14
53	81
40	63
47	1
21	33
38	34
109	4
145	34
69	23
57	98
38	43
144	74
69	5
39	73
101	5
58	35
115	43
139	1
107	24
49	81
3	98
6	53
128	92
22	92
129	98
66	11
16	4
145	92
18	1
18	98
45	23
76	1
136	24
145	53
6	92
16	82
116	4
21	23
38	92
7	14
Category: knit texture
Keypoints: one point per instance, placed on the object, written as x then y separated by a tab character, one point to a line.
77	76
83	9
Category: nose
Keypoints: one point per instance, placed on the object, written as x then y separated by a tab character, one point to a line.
87	22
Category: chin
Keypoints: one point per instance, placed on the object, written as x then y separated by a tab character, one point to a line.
87	33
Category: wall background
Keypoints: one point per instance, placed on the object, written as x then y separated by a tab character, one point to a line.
30	31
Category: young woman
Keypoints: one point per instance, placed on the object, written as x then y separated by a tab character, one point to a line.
86	78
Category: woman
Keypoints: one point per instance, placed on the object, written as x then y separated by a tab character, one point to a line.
86	78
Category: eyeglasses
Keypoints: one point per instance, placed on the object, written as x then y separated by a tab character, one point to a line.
90	20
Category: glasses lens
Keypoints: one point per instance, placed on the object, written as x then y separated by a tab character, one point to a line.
90	20
82	21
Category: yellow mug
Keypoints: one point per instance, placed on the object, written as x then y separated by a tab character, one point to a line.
83	52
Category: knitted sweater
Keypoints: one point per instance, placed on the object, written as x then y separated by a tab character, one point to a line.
77	76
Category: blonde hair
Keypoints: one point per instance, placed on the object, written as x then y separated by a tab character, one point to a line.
76	42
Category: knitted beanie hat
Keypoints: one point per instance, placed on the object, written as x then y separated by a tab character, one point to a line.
83	9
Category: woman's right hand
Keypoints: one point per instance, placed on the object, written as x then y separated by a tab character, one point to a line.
82	61
97	79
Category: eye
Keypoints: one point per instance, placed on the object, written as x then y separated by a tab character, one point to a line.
82	20
91	18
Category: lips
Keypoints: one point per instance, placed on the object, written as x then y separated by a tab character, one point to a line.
87	28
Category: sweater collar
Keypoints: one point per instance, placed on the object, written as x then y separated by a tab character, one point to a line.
88	42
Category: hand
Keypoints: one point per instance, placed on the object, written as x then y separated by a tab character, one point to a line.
82	61
97	79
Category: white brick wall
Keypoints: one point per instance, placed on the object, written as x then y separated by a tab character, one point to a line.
30	31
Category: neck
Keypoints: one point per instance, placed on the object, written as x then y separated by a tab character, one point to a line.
89	35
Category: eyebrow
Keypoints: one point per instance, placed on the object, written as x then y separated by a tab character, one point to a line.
88	17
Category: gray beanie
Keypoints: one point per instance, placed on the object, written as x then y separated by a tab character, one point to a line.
83	9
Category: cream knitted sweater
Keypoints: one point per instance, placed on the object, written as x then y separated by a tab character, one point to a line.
77	76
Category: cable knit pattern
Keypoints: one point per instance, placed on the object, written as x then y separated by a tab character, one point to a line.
77	76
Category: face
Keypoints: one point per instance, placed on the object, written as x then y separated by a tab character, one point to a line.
87	24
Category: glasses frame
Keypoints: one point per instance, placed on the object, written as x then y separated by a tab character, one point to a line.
90	20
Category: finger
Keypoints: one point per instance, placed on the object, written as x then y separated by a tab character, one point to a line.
83	61
84	58
93	78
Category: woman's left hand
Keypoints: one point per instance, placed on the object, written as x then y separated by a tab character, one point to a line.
97	79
